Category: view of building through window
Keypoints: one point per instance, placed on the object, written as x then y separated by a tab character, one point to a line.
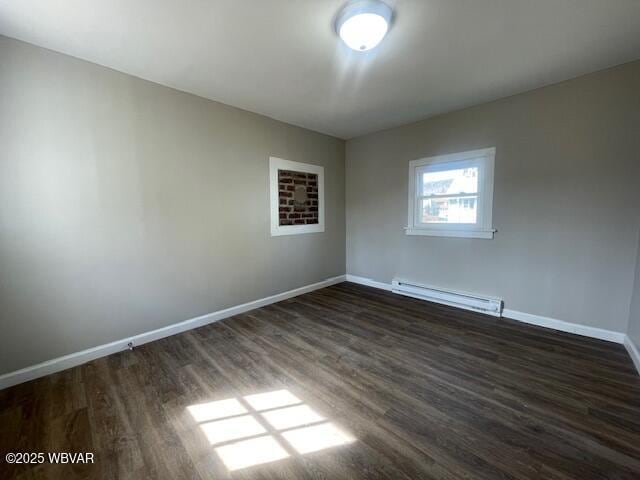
450	196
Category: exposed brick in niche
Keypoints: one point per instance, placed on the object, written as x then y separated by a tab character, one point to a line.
298	197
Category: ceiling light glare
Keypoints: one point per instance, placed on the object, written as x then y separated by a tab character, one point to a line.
363	24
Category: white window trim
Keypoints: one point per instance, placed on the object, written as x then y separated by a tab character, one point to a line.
484	227
276	164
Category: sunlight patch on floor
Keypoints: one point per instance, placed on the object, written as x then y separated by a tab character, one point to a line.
232	429
214	410
251	452
292	417
265	427
265	401
317	437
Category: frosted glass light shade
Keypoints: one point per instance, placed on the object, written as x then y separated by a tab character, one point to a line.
362	25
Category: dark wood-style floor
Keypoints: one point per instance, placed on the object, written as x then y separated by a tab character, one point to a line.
418	391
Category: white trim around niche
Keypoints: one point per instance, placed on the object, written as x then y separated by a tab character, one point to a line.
276	164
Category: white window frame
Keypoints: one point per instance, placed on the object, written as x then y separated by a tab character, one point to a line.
484	159
276	164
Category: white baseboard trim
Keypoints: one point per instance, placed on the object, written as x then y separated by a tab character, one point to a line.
78	358
634	351
368	282
539	320
561	325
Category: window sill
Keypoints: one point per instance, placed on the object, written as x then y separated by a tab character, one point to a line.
432	232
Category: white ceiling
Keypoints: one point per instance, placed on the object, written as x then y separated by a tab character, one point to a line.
281	58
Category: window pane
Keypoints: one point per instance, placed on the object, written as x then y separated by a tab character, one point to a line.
449	210
450	182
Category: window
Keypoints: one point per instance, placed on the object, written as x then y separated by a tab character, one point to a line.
452	195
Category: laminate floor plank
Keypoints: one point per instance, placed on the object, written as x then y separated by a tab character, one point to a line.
347	382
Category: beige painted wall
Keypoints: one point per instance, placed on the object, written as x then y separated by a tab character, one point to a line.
634	315
566	201
126	206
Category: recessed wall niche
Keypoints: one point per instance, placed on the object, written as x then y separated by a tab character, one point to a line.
297	197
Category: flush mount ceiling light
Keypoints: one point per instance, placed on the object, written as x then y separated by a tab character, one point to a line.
363	24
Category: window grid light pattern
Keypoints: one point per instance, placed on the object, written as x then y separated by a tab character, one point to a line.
265	427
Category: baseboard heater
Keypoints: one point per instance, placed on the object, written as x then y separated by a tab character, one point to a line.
476	303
